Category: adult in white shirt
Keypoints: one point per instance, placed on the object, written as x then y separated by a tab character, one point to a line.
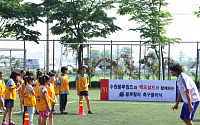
187	92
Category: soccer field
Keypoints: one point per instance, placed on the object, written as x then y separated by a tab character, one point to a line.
113	112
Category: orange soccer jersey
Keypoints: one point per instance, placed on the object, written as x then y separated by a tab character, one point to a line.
20	92
29	100
40	101
64	86
82	81
2	88
10	94
51	92
55	83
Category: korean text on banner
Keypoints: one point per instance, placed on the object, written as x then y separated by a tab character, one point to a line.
142	90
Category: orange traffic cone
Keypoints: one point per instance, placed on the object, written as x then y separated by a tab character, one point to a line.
81	110
26	119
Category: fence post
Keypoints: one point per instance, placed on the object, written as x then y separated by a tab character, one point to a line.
196	76
140	59
53	53
10	60
117	62
90	64
24	55
169	60
104	61
111	63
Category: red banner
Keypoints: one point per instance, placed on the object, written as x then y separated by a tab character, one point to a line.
104	89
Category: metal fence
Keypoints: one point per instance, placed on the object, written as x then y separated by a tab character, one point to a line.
184	53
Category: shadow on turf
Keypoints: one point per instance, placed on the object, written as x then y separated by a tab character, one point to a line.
196	120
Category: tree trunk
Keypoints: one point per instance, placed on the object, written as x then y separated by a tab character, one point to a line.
80	60
163	63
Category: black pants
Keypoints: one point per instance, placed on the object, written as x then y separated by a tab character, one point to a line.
63	102
25	109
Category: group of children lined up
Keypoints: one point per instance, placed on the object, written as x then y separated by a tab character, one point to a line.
40	94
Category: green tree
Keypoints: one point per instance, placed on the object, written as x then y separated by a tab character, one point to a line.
153	20
181	56
79	20
95	54
17	18
126	50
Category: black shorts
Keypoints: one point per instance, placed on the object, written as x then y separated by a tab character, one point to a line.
9	103
84	93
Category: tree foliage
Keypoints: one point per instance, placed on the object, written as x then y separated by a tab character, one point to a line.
152	19
16	18
79	20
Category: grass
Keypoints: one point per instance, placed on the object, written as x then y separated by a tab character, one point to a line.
114	112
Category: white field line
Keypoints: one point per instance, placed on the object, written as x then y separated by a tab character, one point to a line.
67	102
12	113
20	111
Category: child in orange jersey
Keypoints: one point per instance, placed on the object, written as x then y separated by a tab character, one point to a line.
39	73
37	84
2	90
43	100
63	87
55	83
82	83
21	98
10	96
29	98
52	96
28	73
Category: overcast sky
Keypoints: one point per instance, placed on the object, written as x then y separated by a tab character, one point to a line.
185	26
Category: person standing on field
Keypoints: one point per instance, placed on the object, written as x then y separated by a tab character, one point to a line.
82	83
63	88
187	92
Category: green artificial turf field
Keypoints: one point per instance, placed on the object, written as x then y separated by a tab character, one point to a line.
113	112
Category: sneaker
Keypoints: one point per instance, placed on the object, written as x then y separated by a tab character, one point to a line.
4	123
36	112
11	123
64	112
90	112
55	112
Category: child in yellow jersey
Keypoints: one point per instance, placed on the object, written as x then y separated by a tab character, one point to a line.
52	96
37	84
63	87
43	100
29	98
2	90
10	96
28	73
55	83
82	83
21	97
